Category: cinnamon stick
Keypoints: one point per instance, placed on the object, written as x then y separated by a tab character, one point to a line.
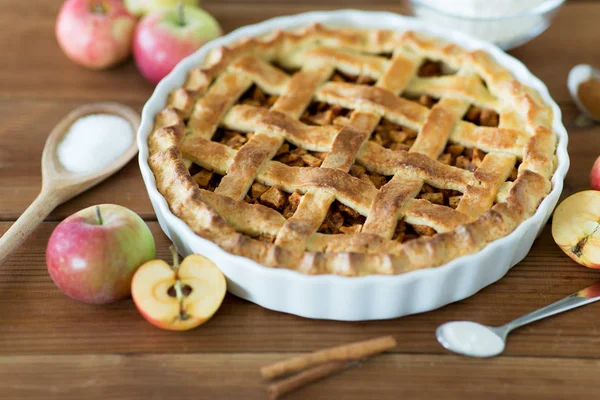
281	387
347	352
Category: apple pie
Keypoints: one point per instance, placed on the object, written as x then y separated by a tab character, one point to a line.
352	152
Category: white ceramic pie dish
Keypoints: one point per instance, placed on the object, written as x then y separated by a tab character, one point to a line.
357	298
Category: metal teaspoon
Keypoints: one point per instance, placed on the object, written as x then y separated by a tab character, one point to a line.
477	340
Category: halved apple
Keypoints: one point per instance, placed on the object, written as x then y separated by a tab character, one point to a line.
180	297
576	227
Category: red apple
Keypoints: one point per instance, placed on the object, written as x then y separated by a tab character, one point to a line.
595	175
180	297
93	254
95	33
167	35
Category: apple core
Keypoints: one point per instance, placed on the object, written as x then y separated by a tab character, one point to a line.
177	290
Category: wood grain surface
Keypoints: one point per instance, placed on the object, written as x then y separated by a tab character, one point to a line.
52	347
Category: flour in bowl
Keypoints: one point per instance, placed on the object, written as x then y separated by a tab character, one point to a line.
503	22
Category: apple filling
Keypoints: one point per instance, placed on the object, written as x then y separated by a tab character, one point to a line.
431	68
319	113
274	197
482	116
393	136
204	178
293	156
256	97
341	219
233	139
340	76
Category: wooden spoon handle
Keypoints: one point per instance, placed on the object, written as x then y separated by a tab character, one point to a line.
27	222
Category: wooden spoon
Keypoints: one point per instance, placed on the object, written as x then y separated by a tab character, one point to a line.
59	184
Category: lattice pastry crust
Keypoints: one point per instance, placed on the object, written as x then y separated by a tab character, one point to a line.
297	69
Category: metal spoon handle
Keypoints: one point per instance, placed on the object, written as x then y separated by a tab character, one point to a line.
578	299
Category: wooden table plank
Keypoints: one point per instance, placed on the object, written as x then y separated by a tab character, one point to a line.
584	148
54	347
35	318
22	139
24	86
551	55
47	74
235	376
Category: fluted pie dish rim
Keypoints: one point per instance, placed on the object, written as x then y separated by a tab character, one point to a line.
278	288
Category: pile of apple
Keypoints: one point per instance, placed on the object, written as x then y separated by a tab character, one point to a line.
576	223
99	34
106	253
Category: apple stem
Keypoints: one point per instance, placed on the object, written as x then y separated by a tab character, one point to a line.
181	14
98	8
99	216
175	257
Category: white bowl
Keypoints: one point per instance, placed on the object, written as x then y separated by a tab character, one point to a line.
359	298
498	24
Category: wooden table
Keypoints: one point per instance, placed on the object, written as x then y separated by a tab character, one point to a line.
54	347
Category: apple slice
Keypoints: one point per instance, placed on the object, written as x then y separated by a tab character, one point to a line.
576	227
181	297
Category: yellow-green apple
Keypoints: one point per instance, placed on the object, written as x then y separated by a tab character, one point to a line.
93	254
180	297
595	175
141	7
95	33
576	227
167	35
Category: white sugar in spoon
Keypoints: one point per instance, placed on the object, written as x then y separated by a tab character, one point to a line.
59	184
579	74
477	340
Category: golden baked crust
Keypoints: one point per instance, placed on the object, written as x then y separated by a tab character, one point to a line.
490	206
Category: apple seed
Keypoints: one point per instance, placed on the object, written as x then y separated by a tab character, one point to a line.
578	248
99	216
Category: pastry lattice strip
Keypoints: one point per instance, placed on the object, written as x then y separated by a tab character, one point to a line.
417	214
215	105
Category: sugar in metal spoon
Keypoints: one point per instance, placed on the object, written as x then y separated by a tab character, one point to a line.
476	340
